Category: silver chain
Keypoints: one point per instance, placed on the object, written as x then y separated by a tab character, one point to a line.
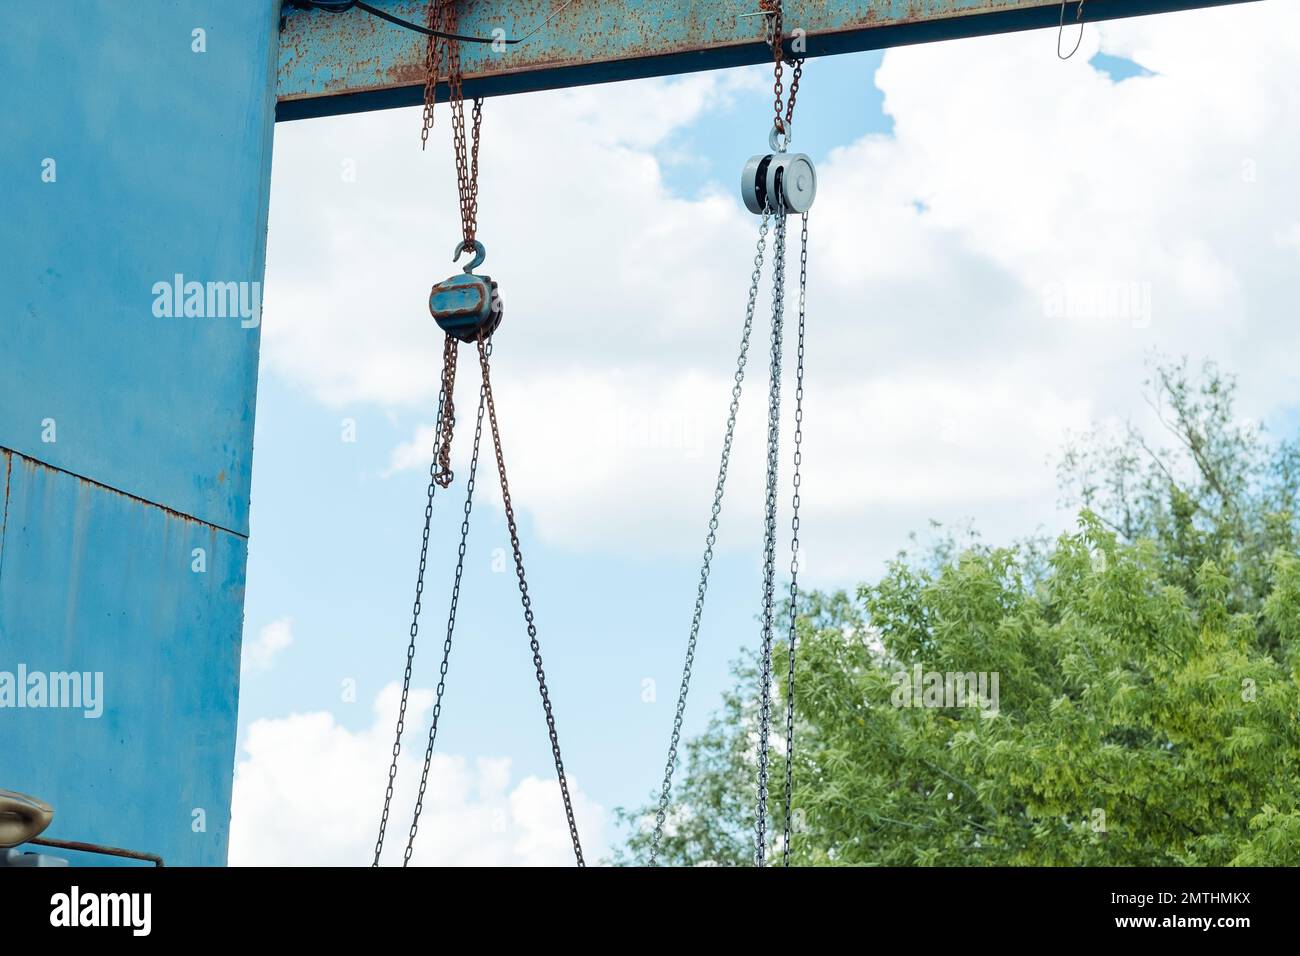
709	542
415	626
794	540
451	622
769	536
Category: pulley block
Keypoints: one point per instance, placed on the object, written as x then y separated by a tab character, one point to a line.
778	181
467	306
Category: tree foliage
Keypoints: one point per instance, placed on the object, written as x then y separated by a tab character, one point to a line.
1148	671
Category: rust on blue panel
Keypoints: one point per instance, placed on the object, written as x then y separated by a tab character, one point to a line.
339	63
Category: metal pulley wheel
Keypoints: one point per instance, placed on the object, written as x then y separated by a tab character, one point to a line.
778	181
467	305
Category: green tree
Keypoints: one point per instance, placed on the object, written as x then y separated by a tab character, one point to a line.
1148	672
1210	487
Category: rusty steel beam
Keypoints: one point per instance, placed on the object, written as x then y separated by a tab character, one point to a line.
349	62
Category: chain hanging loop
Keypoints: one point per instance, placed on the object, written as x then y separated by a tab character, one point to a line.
769	534
783	119
711	539
441	15
531	625
453	606
772	186
415	630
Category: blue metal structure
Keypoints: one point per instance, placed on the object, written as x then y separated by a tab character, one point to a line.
136	181
341	63
126	436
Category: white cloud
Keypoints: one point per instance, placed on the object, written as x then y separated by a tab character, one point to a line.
259	654
414	453
308	792
941	379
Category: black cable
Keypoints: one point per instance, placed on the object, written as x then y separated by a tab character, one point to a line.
342	6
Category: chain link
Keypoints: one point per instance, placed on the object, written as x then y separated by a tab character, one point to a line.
444	474
433	47
709	542
787	125
442	15
769	535
783	121
415	629
794	540
451	623
528	604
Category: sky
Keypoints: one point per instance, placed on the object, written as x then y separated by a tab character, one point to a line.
1000	241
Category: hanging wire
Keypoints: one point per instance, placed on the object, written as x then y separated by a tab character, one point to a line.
342	6
1060	35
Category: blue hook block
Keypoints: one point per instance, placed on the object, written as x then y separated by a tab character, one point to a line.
466	306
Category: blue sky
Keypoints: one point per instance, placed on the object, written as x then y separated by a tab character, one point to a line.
940	384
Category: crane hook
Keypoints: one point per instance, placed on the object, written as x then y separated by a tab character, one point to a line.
480	255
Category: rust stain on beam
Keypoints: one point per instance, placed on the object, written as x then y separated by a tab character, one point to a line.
336	63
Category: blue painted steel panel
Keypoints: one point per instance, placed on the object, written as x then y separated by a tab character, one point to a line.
92	581
162	168
341	63
135	427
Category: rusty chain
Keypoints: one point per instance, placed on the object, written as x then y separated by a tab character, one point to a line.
414	632
441	15
447	425
483	355
784	118
451	627
432	52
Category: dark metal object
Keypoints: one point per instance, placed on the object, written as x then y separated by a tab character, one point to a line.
466	306
1078	15
100	849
